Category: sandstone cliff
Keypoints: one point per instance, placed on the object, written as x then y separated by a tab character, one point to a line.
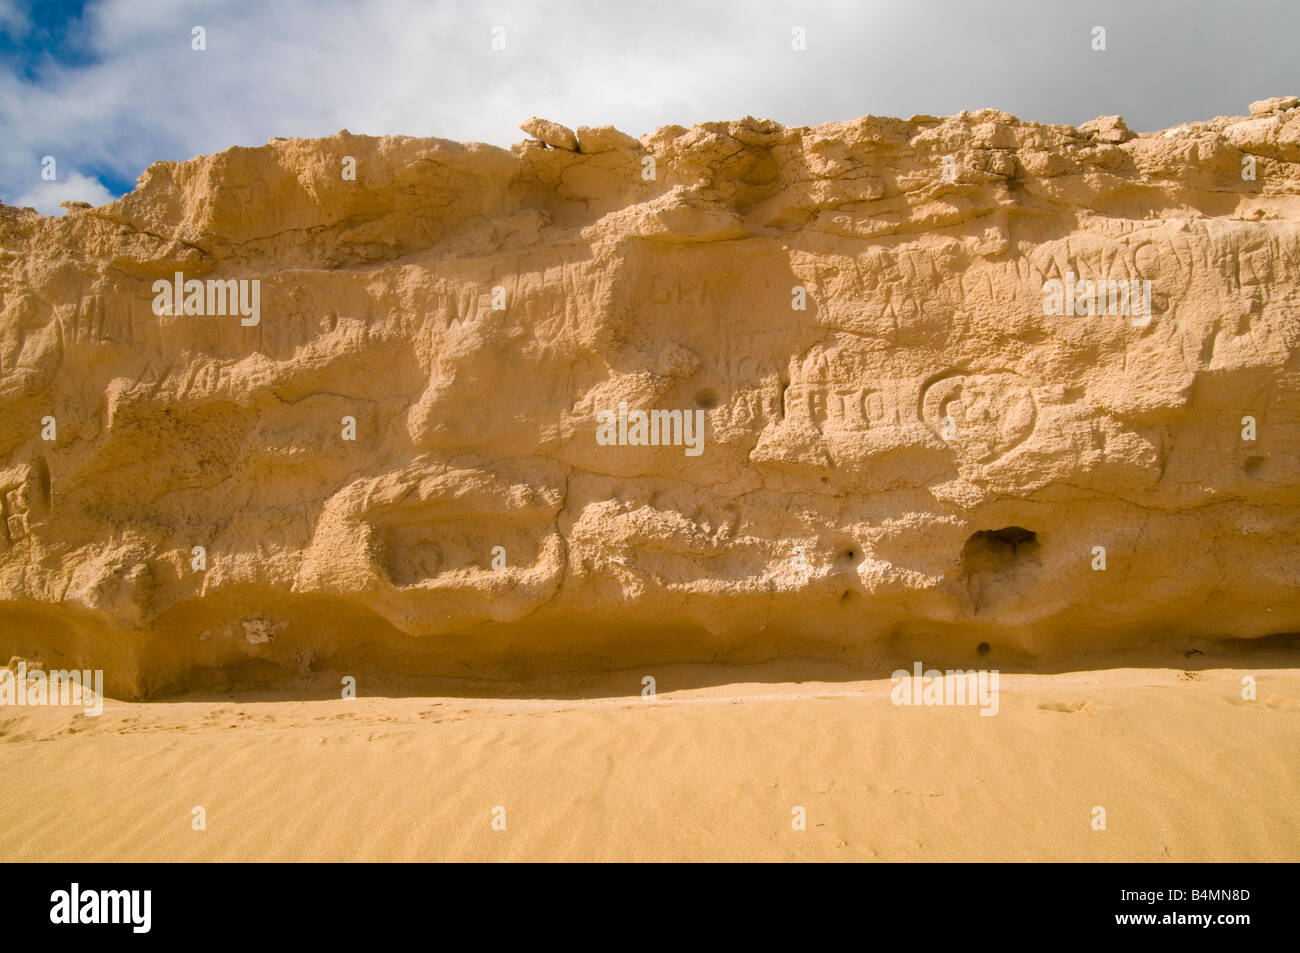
903	452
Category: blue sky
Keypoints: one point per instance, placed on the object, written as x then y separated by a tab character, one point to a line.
108	86
42	38
47	33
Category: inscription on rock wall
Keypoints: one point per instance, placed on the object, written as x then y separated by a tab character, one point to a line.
982	415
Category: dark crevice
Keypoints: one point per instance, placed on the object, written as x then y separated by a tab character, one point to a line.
997	549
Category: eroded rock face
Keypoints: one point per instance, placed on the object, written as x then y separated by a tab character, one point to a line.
902	452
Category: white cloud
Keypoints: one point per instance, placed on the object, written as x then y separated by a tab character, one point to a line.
13	21
75	187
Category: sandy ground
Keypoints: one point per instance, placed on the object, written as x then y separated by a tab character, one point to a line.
1184	767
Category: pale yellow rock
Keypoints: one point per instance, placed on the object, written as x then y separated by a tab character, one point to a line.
1108	129
902	454
1265	107
551	133
596	139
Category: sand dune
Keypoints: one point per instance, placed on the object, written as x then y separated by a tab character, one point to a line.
1184	767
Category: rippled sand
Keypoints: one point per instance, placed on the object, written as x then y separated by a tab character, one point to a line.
712	768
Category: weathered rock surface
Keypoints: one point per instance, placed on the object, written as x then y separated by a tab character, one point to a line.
918	461
551	133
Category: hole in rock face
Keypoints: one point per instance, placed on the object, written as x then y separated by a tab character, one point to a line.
997	548
1252	465
983	648
1009	537
706	399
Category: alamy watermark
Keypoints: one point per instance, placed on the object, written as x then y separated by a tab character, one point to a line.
951	687
651	428
216	296
130	907
83	689
1099	297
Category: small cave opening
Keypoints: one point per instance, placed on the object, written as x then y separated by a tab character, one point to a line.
1252	465
706	399
998	548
